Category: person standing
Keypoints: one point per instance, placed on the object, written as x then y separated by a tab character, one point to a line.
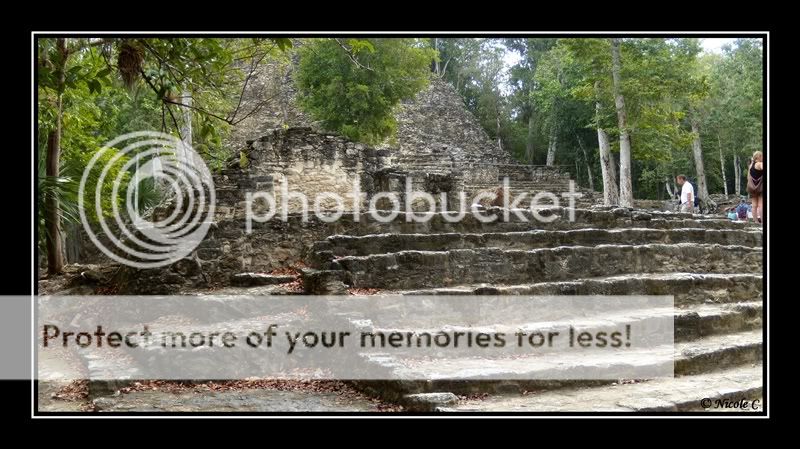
687	194
755	184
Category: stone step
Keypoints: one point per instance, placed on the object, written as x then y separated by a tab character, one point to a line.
680	394
363	223
427	269
345	245
257	279
524	196
469	375
687	288
517	181
691	322
241	400
109	369
522	184
516	188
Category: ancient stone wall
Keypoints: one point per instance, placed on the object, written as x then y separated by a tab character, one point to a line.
306	162
440	148
229	249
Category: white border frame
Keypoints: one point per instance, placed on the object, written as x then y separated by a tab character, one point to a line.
411	33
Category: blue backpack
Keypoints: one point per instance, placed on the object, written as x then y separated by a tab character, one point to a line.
741	211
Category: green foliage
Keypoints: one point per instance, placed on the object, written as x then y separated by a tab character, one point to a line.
353	87
83	122
523	75
65	186
65	190
460	59
733	108
665	82
97	106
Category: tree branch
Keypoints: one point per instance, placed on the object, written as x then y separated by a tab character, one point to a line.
444	69
200	110
253	66
163	61
352	57
77	46
177	127
163	118
254	110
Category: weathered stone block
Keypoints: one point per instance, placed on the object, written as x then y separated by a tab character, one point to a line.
428	402
255	279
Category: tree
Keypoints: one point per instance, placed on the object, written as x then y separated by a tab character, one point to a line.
353	86
551	94
523	76
696	93
593	87
56	76
491	102
561	95
625	185
734	105
70	67
55	258
586	160
607	166
461	58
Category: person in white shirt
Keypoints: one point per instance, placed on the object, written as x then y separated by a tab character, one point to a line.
687	194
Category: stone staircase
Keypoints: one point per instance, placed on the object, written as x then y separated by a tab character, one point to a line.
533	180
712	267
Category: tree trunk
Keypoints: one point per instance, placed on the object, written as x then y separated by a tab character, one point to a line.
737	172
55	256
436	61
722	166
136	186
52	220
586	159
531	117
625	183
697	149
285	81
186	129
499	139
668	186
551	146
613	166
529	140
610	193
73	244
444	69
675	187
589	174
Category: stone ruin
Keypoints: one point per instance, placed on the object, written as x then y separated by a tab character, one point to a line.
440	148
711	265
